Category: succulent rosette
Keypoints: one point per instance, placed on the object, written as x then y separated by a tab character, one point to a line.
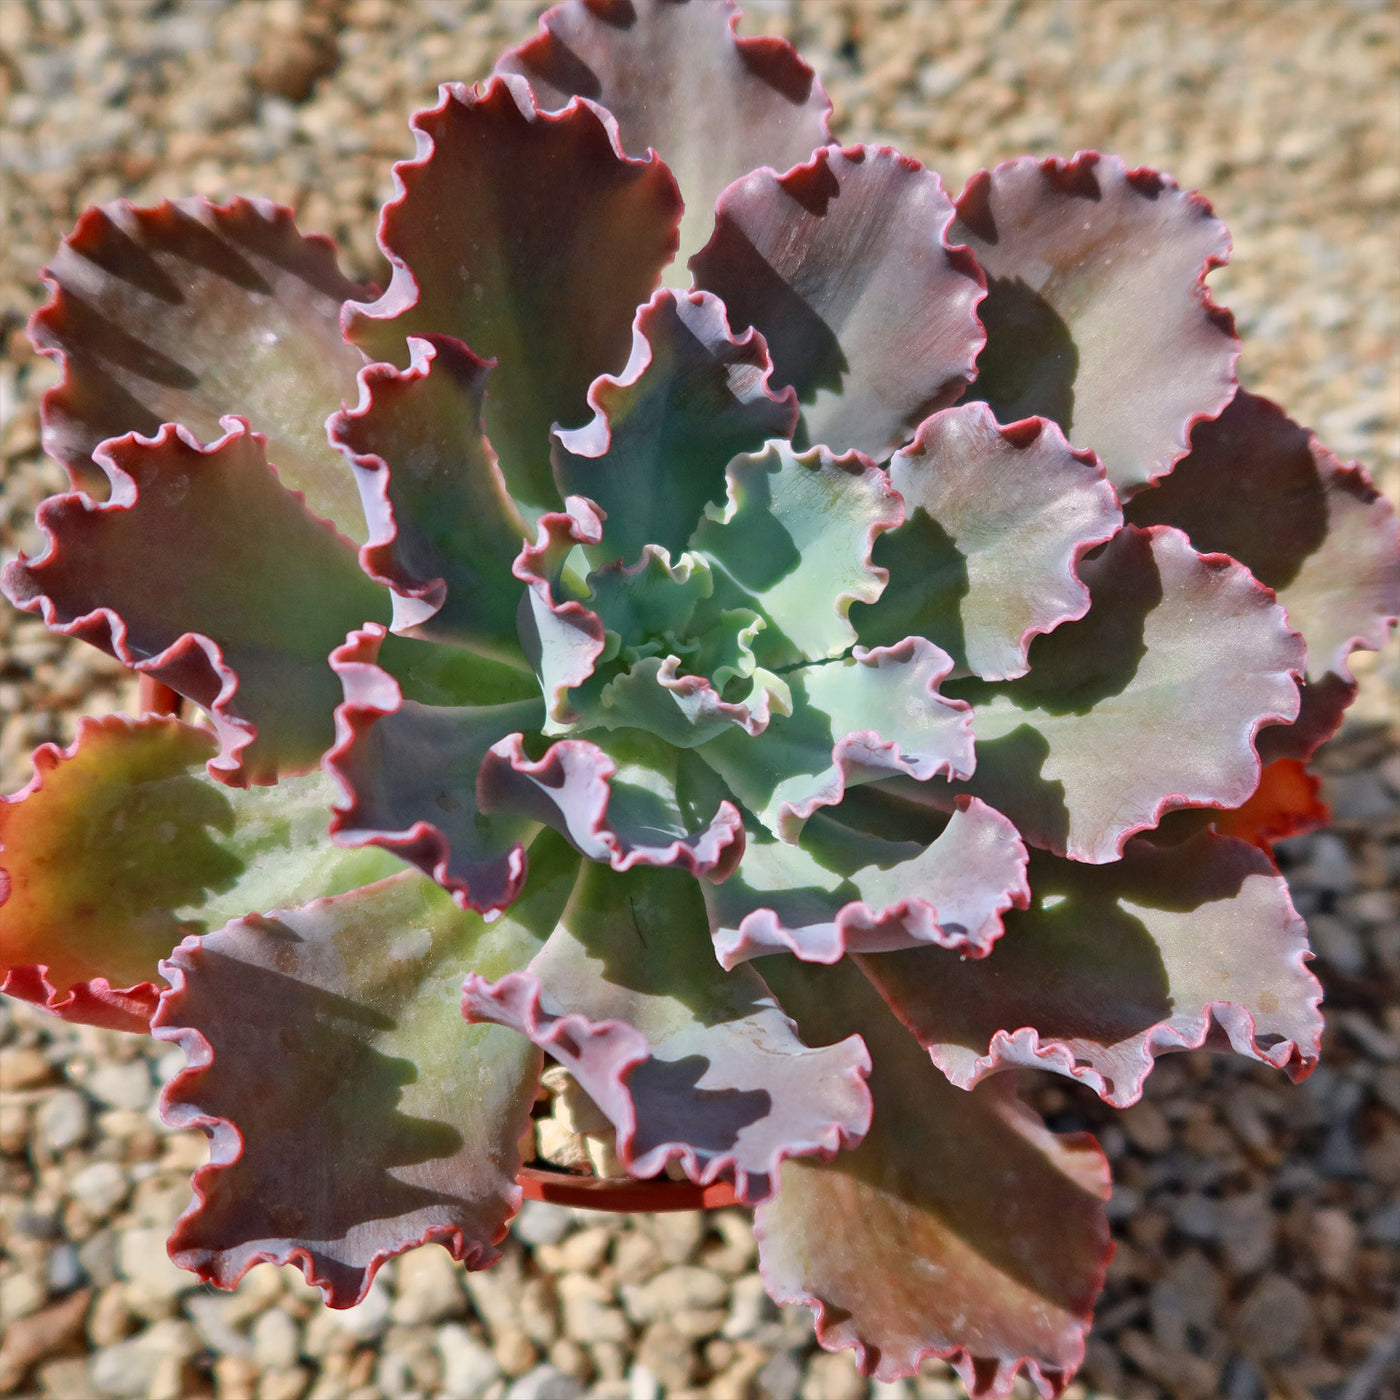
778	640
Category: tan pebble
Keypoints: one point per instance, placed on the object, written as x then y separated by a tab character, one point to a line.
235	1378
571	1359
31	1338
23	1068
514	1352
289	1384
111	1319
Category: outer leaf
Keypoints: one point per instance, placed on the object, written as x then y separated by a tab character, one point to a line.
692	397
408	772
618	806
1097	313
657	66
1258	487
846	266
960	1227
204	571
443	530
1169	948
796	534
89	933
688	1062
1150	702
189	311
532	238
867	716
999	519
165	853
348	1007
842	892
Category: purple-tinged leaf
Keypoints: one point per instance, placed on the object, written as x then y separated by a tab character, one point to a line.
443	530
562	639
409	774
1323	705
866	716
618	805
1261	489
692	397
795	534
531	238
1151	701
1170	948
337	1024
960	1227
987	558
1097	313
189	311
846	266
841	891
680	81
204	571
689	1063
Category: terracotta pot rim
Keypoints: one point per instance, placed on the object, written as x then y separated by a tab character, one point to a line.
622	1193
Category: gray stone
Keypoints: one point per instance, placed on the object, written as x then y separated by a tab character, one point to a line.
128	1368
589	1312
117	1085
101	1187
62	1120
468	1367
1274	1319
63	1270
749	1308
1247	1227
674	1290
539	1222
276	1339
210	1314
1197	1216
429	1287
781	1378
546	1382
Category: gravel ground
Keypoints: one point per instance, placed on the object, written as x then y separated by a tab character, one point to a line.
1258	1224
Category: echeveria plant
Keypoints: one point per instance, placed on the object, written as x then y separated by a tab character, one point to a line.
781	641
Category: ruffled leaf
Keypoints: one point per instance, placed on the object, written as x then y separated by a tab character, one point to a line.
203	571
443	530
689	1063
841	891
796	534
531	238
1149	702
618	806
165	853
1169	948
875	713
190	311
846	266
350	1113
692	397
657	66
959	1228
562	638
409	774
998	520
1097	313
1258	487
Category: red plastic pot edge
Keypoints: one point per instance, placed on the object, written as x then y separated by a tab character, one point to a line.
622	1193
